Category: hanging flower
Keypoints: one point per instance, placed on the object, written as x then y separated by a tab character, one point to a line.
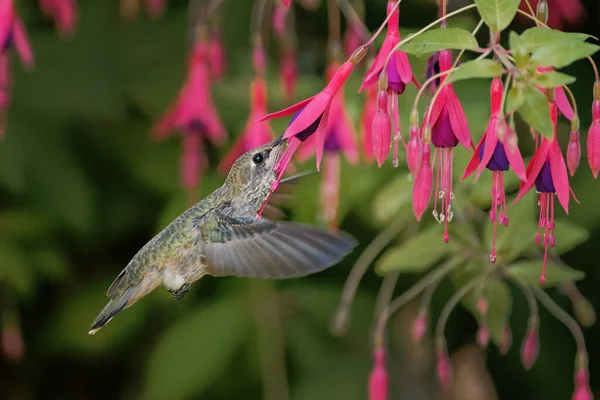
63	12
216	54
288	73
366	123
560	97
497	156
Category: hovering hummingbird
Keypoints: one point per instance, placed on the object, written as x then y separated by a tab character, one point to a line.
222	235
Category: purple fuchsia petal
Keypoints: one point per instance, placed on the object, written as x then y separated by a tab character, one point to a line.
394	80
543	182
499	160
442	134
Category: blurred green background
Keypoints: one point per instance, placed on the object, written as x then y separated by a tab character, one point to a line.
83	187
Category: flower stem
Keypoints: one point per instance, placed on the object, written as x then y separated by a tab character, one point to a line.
591	60
562	316
257	18
408	295
505	93
341	318
572	97
380	29
528	293
385	293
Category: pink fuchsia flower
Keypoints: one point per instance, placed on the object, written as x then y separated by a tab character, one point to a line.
431	69
381	130
548	172
11	341
582	385
366	123
444	369
449	127
13	34
593	140
255	133
378	381
288	73
562	14
419	326
574	147
423	183
286	3
497	156
194	114
560	97
531	346
63	12
216	55
313	115
279	19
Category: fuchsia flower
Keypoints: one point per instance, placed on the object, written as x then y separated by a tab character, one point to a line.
530	347
194	114
381	130
582	385
423	183
574	148
366	123
548	172
279	18
339	138
449	127
216	54
63	12
11	342
288	74
313	115
593	139
286	3
561	13
497	156
156	8
560	97
378	381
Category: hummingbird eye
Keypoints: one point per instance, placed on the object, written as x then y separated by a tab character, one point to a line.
258	158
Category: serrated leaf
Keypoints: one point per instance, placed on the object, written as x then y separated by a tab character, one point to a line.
567	236
534	38
529	272
477	69
195	351
416	254
441	39
392	198
497	14
514	99
550	80
535	111
562	54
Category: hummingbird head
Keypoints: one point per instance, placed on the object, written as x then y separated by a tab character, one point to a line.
253	173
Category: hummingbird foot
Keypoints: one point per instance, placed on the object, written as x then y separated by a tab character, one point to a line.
179	293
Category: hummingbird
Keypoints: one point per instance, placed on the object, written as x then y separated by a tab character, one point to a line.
223	235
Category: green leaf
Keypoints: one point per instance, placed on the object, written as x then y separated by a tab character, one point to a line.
568	236
514	99
441	39
534	38
477	69
514	41
392	198
497	14
529	272
416	254
535	112
550	80
196	351
562	54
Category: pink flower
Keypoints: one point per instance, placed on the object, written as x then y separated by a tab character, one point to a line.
381	131
156	8
497	156
279	19
423	183
414	149
286	3
255	133
288	74
573	150
582	386
506	340
11	342
63	12
12	33
560	97
378	381
366	123
448	128
398	71
5	84
194	114
530	347
548	172
561	13
216	55
593	140
419	327
444	369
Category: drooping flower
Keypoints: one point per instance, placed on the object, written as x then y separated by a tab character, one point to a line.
11	341
560	97
497	156
593	139
13	34
548	172
339	138
381	130
378	380
449	127
444	369
574	147
423	183
419	326
63	12
279	18
398	72
562	14
315	113
216	54
193	114
286	3
531	346
582	385
288	73
366	123
414	148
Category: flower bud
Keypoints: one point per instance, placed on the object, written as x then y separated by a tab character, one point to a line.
483	336
573	152
582	386
419	326
584	311
423	183
593	140
597	91
542	11
444	369
382	129
414	150
378	381
530	347
12	342
506	340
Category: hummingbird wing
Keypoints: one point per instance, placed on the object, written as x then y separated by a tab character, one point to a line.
265	249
